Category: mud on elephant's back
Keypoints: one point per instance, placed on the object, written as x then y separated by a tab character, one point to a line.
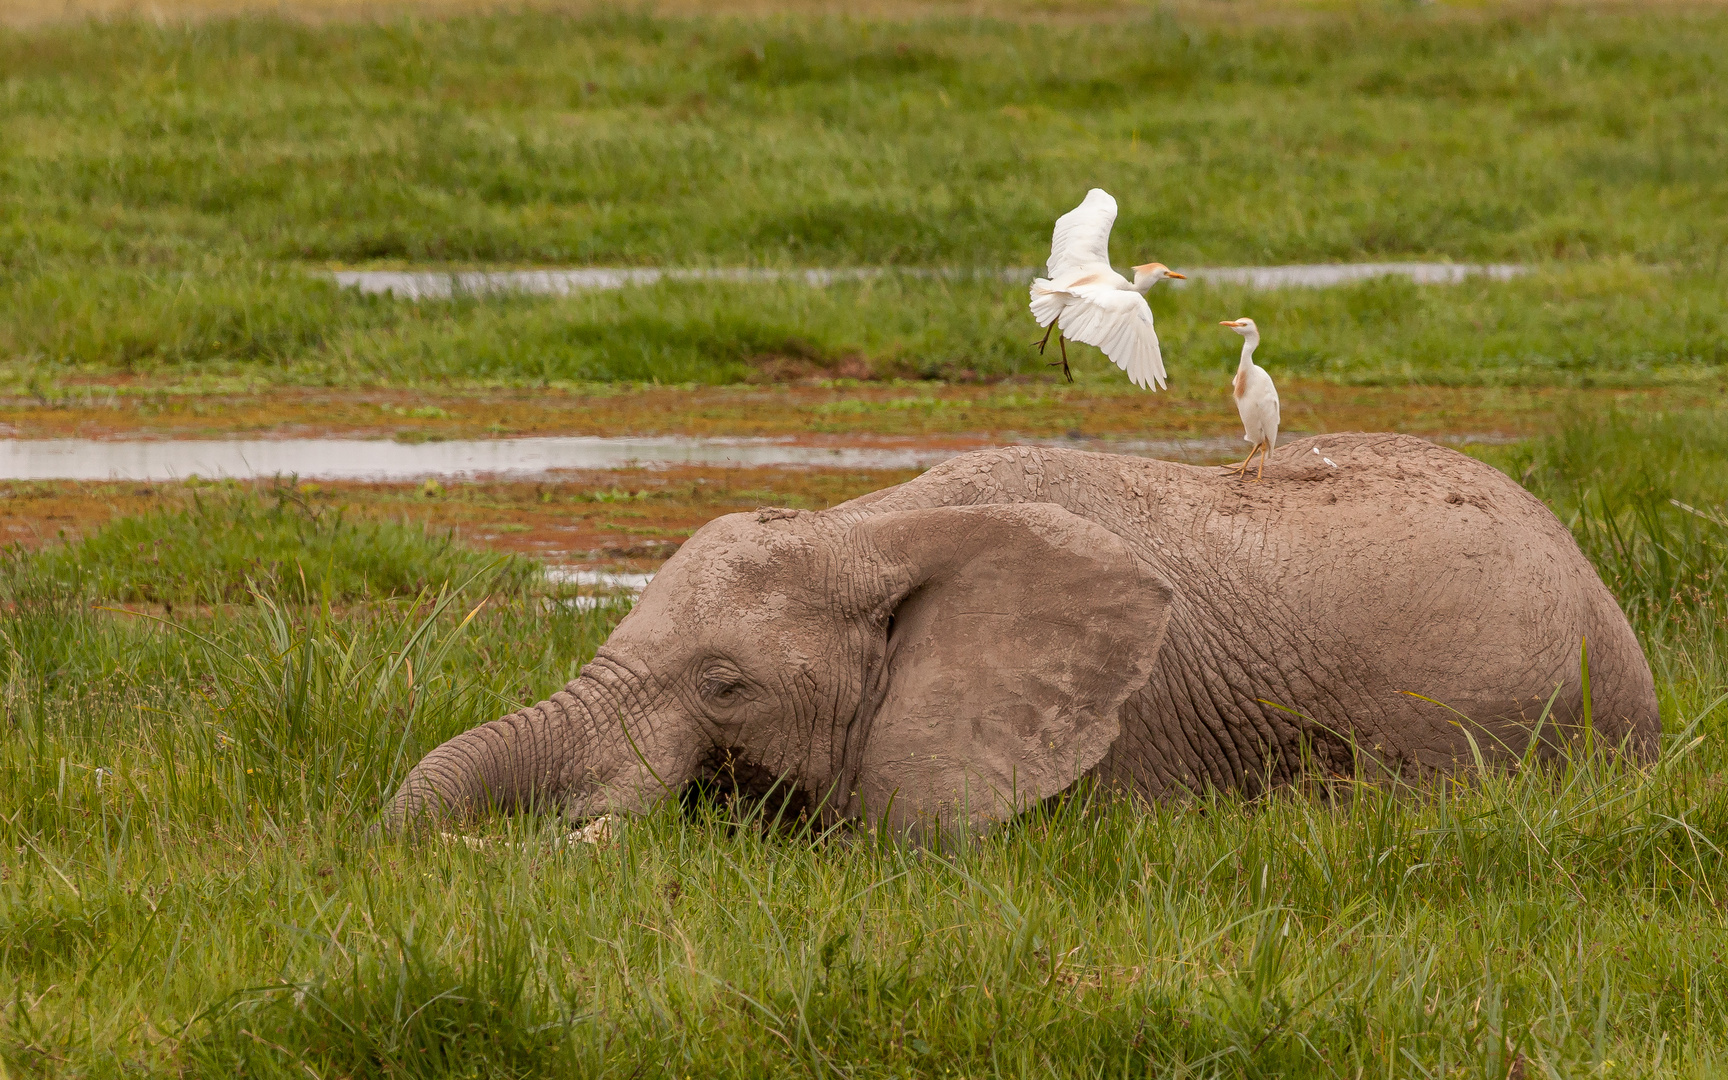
1490	597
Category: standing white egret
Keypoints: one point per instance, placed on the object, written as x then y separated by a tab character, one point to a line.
1090	302
1256	399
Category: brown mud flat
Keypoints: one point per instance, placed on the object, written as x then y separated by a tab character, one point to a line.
959	415
621	519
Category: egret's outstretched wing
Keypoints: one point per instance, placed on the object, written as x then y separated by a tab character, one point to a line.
1082	236
1119	322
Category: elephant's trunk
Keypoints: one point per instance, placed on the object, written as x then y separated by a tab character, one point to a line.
587	748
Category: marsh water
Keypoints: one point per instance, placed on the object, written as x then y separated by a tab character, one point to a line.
436	284
384	461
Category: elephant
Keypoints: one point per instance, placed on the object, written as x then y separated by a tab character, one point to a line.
945	654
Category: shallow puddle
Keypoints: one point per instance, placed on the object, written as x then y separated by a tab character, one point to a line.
435	285
380	461
598	580
604	587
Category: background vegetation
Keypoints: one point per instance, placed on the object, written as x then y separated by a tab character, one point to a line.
170	187
618	138
1606	324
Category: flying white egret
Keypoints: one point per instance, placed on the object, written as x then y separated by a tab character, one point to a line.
1091	303
1256	398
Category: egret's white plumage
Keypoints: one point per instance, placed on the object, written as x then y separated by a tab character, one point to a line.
1256	398
1090	302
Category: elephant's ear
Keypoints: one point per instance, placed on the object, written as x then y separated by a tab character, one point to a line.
1014	634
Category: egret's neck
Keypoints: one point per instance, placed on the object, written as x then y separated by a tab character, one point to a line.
1143	285
1249	340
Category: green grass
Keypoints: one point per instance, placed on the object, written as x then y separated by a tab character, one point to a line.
189	886
233	542
622	138
1607	324
169	187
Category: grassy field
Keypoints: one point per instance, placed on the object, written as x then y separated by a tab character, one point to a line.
174	188
187	885
209	691
619	138
1609	324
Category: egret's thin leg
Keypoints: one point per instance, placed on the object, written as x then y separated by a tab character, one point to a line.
1062	341
1046	339
1242	470
1262	473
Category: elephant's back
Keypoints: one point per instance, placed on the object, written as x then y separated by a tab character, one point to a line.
1439	576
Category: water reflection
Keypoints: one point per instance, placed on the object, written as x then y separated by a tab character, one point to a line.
380	461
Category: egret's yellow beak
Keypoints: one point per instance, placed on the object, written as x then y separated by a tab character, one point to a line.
1174	274
1226	322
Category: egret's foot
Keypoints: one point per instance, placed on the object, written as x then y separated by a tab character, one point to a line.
1242	469
1063	363
1045	340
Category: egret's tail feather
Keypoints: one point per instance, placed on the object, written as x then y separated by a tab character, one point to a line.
1047	303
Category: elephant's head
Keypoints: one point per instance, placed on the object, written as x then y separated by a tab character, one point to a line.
949	666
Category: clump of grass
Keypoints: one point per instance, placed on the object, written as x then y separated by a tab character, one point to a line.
258	316
233	541
266	711
410	1014
1647	501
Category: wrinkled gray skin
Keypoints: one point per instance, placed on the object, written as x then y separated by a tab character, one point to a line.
947	652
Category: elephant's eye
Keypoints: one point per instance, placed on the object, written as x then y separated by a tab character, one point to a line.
721	688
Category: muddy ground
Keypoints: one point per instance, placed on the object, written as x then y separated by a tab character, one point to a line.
119	408
631	519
